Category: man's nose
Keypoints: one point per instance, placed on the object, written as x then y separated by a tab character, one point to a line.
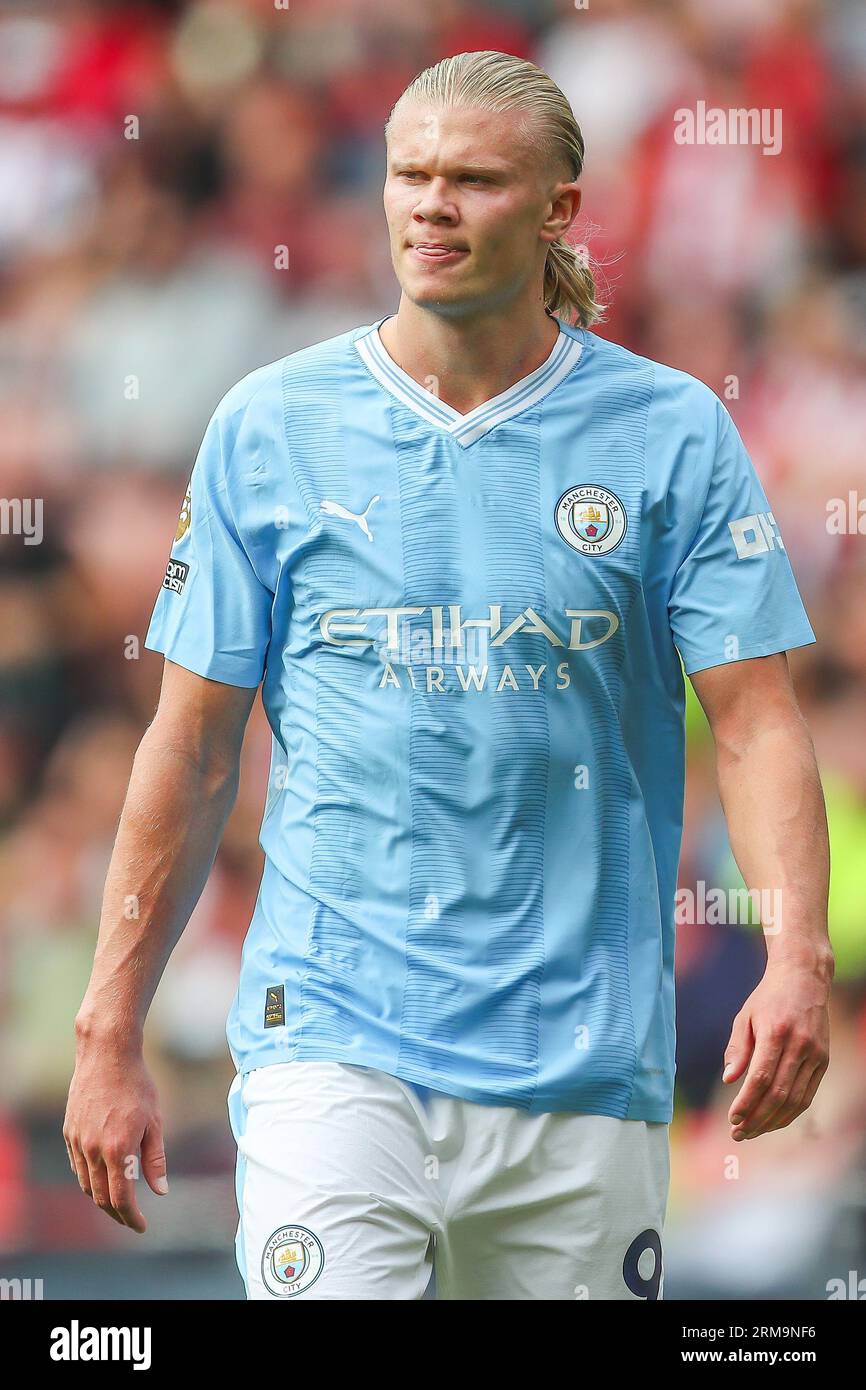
436	201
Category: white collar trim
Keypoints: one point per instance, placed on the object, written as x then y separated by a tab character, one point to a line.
466	429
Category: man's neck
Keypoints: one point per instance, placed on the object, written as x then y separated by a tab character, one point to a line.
468	361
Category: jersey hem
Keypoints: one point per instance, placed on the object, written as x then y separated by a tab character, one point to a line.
541	1102
215	668
770	648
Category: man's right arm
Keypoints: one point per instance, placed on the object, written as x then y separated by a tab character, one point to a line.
183	785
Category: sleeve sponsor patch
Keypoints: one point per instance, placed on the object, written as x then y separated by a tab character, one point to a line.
185	514
175	576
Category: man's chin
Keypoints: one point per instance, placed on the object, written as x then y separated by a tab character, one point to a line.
430	293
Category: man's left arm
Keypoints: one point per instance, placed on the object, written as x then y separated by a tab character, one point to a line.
777	825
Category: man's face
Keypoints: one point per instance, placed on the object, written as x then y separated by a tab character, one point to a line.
469	206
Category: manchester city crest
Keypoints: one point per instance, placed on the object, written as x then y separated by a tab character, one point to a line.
293	1259
591	519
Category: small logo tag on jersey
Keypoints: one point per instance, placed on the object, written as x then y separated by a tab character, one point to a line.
591	519
175	576
275	1006
293	1259
332	508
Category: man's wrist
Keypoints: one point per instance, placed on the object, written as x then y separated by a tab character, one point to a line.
99	1029
790	949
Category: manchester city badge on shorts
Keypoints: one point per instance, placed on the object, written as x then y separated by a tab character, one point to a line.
591	519
292	1261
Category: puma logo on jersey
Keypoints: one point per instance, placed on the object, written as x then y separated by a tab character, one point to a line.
337	509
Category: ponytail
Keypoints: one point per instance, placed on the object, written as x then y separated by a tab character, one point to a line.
569	285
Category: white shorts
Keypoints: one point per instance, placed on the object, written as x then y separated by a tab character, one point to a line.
352	1184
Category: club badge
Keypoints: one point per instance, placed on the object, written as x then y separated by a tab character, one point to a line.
293	1259
591	519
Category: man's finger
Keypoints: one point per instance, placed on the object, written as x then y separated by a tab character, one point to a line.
739	1048
70	1155
122	1189
769	1117
773	1096
101	1189
153	1164
797	1103
762	1069
812	1074
82	1171
813	1085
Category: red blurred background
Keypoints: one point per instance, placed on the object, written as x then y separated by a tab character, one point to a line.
154	158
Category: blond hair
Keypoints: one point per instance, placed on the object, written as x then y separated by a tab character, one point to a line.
501	82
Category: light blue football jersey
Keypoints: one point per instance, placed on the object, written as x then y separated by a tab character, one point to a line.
468	630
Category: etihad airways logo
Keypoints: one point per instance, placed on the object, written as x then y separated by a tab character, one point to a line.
437	637
394	633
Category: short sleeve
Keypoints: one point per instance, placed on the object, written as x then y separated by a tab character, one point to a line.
734	594
213	612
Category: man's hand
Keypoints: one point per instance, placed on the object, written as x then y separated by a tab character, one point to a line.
183	785
113	1129
774	808
782	1035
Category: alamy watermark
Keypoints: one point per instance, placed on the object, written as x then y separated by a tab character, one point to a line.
846	516
22	516
729	907
715	125
20	1290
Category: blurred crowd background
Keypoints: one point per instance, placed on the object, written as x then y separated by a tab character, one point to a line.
154	157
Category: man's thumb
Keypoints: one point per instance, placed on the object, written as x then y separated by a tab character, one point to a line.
736	1052
153	1164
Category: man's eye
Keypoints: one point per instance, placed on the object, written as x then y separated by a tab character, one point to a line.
413	174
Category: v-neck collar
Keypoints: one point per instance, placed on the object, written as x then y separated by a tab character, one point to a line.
466	429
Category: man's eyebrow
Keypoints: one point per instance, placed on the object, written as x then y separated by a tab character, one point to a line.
468	168
464	166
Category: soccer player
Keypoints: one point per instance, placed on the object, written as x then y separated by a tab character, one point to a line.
467	551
